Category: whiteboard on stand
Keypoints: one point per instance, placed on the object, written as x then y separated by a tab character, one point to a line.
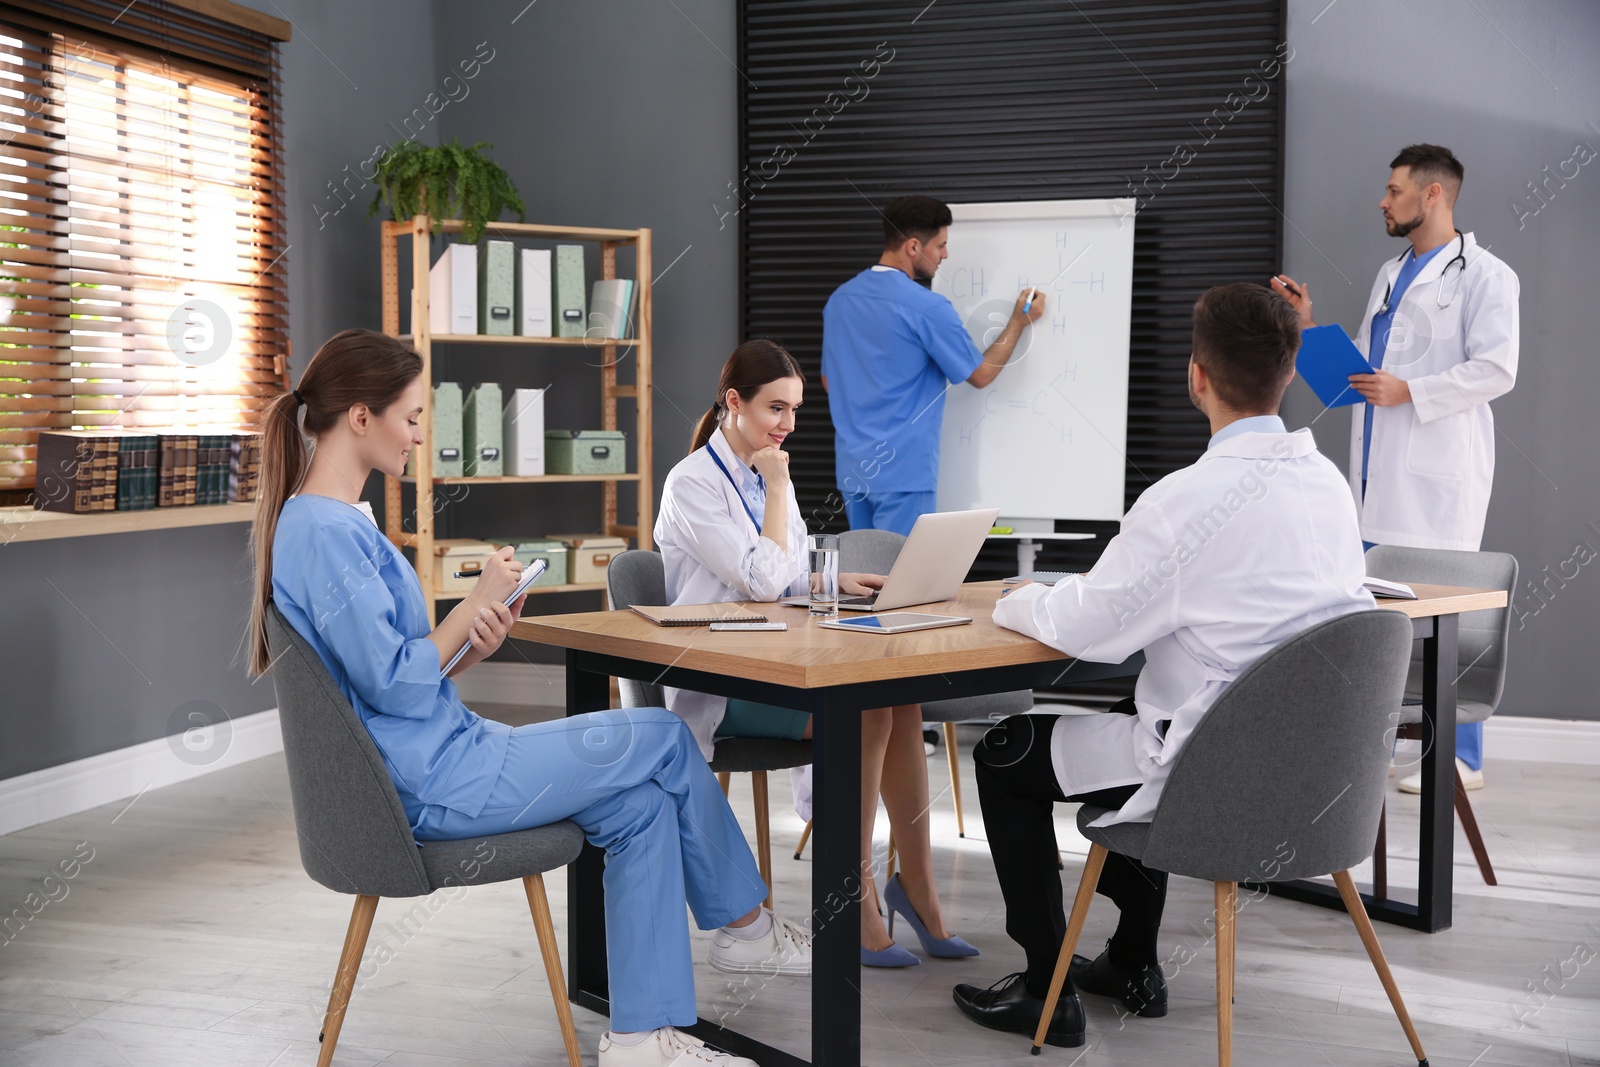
1047	439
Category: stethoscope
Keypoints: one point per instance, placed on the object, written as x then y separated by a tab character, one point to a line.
1438	299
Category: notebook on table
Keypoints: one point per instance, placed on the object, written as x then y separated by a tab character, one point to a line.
1394	590
697	614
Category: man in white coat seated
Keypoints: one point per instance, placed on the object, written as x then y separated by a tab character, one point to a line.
1215	565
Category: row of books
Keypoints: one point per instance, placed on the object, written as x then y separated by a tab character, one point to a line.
80	471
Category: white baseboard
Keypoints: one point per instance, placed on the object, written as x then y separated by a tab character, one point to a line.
54	792
1542	740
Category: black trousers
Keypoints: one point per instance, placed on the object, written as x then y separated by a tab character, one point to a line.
1018	791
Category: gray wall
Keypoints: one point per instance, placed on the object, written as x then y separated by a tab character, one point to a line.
105	640
1510	88
612	113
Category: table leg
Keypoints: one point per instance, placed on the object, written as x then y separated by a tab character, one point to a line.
588	984
1437	849
836	888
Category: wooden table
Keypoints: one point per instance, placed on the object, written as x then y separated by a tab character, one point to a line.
835	675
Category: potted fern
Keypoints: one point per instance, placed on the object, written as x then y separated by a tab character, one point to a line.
448	181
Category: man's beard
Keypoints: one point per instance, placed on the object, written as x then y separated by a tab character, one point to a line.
1401	229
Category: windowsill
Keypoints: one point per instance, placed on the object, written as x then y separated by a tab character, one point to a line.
29	524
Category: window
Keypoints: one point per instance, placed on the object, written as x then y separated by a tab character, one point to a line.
142	238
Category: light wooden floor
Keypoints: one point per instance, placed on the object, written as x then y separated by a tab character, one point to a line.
193	937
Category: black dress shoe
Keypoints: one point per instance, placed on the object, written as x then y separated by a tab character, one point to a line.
1143	992
1007	1005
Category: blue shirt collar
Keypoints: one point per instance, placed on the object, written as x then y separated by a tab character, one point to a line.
750	482
1249	424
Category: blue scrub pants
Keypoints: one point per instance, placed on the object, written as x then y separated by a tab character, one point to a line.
636	782
889	511
1469	735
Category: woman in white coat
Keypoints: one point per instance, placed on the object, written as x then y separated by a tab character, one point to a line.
730	530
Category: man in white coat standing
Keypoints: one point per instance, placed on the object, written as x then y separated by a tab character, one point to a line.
1215	565
1441	330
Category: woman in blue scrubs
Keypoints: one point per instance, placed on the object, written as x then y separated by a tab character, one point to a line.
633	780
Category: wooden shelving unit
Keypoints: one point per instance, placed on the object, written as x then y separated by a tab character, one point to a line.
419	229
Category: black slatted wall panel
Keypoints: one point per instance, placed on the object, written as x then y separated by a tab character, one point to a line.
1179	104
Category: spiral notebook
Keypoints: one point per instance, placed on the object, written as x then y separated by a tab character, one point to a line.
697	614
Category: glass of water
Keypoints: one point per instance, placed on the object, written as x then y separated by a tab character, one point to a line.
823	550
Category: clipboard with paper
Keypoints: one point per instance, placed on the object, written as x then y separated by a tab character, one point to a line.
1327	359
530	573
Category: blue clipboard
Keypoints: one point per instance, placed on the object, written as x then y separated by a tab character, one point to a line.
1327	359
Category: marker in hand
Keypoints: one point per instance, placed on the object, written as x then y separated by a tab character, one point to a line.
1027	305
1284	281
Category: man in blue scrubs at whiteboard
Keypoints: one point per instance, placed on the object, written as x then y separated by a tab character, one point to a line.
891	347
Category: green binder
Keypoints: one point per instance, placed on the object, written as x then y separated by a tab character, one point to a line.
445	435
572	297
482	431
497	288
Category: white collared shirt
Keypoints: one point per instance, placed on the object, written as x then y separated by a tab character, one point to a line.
714	553
1215	565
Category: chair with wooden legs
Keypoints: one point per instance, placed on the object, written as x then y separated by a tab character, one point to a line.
1481	653
1283	778
639	577
355	837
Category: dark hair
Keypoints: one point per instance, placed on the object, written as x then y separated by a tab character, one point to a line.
353	367
752	365
1246	337
1431	163
921	217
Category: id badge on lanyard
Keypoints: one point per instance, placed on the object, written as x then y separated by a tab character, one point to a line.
728	475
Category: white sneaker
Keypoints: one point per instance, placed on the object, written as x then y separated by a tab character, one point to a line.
667	1047
1470	779
786	950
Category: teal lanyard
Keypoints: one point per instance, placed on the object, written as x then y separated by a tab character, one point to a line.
723	467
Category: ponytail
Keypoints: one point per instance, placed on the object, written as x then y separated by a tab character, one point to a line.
752	365
353	367
706	427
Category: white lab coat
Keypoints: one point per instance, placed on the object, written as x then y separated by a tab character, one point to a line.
1431	466
714	554
1215	564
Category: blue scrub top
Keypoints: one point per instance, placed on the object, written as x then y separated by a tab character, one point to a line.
1380	337
350	593
890	348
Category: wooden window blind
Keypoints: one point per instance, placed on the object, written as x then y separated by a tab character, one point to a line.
142	240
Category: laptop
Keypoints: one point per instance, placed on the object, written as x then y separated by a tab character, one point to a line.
931	566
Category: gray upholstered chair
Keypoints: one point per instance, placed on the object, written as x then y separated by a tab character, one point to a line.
355	838
874	552
638	576
1480	652
1283	778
